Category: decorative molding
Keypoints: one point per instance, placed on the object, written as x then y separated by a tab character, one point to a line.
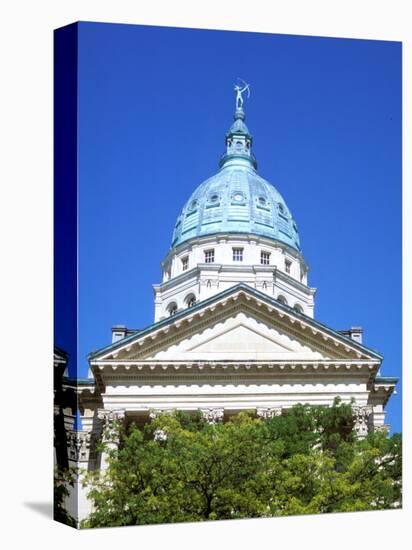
111	421
78	445
213	415
268	412
362	419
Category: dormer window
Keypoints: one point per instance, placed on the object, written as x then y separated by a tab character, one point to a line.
264	257
288	265
237	254
185	263
210	256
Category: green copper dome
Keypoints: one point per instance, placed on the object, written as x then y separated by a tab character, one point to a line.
237	199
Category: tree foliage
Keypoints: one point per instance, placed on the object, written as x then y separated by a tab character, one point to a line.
307	461
63	482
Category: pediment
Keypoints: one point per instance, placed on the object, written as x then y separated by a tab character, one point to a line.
240	336
239	326
241	339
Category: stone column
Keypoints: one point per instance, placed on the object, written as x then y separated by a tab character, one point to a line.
361	420
268	412
213	415
111	423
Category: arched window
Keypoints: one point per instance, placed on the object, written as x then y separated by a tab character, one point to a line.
264	285
190	300
298	308
282	300
172	309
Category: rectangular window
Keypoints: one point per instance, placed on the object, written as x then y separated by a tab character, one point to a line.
265	258
288	263
209	256
185	263
238	254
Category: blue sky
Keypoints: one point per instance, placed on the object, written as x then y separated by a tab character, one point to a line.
154	105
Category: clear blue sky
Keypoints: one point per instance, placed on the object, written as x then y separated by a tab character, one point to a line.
154	105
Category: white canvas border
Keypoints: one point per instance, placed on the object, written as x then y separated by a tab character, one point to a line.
26	282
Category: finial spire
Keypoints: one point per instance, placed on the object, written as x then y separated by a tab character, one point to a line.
238	138
240	88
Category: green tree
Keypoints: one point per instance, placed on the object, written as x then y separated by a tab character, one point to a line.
63	480
179	468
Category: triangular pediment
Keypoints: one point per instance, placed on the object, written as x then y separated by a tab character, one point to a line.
239	324
239	336
241	339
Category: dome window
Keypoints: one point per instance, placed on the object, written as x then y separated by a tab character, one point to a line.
172	309
193	205
190	300
262	201
281	208
185	263
238	254
210	256
238	197
264	257
214	198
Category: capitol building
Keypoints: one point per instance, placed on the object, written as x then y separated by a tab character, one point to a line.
234	324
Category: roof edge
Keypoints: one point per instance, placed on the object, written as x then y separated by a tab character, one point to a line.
231	290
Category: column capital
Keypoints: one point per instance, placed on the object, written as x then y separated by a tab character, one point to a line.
268	412
110	420
213	415
78	445
108	415
361	416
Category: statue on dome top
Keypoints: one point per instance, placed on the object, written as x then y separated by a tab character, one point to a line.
241	89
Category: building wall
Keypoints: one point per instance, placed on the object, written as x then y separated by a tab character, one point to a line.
202	280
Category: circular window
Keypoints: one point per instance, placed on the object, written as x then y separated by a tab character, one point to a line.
193	205
281	208
238	197
262	201
214	198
